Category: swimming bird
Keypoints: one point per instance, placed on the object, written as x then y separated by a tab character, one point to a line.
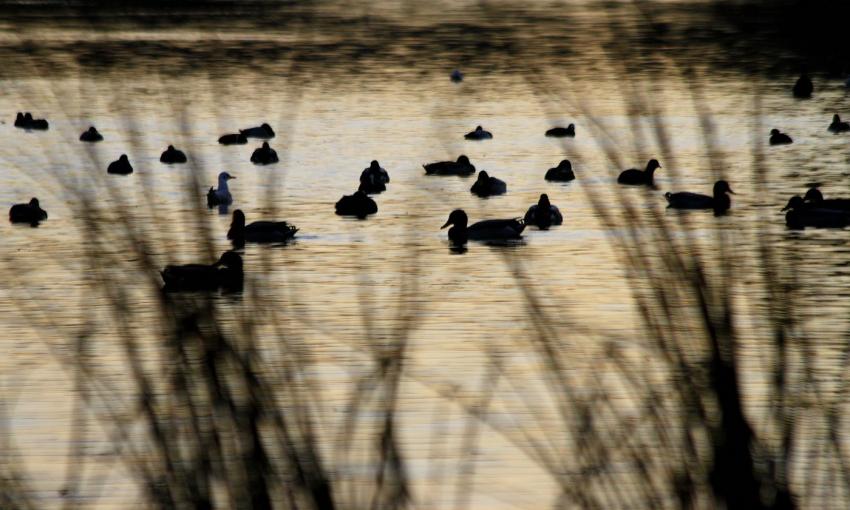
561	132
262	131
814	198
374	179
19	120
460	167
30	213
264	155
91	135
493	230
220	196
779	138
258	231
120	166
478	134
356	204
28	122
719	201
486	186
637	177
456	76
801	215
227	274
838	126
543	214
233	139
563	172
172	155
803	87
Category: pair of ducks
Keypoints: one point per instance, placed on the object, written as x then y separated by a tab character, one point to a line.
813	210
543	215
373	179
719	199
263	131
557	132
26	121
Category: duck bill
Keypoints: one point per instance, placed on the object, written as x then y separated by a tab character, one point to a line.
446	225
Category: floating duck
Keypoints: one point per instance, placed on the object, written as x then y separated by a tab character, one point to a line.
226	273
719	201
543	214
264	155
486	186
803	87
357	204
838	126
493	230
233	139
815	198
562	173
258	231
262	131
26	121
172	155
31	213
478	134
220	196
91	135
460	167
121	166
801	215
779	138
640	177
562	132
374	179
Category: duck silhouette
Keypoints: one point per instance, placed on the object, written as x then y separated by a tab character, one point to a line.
460	167
814	198
779	138
838	126
803	87
233	139
172	155
220	196
91	135
26	121
356	204
120	166
264	155
478	134
31	213
258	231
543	214
486	230
719	201
645	177
486	186
800	215
263	131
562	132
561	173
226	274
374	179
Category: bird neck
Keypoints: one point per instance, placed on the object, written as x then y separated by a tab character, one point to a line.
222	185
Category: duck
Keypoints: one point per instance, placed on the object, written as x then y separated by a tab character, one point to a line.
814	198
233	139
719	201
264	155
460	167
563	172
456	76
357	204
258	231
803	87
374	179
800	215
493	230
486	186
26	121
838	126
779	138
262	131
543	214
479	134
561	132
91	135
19	120
638	177
220	196
31	213
172	155
226	273
120	166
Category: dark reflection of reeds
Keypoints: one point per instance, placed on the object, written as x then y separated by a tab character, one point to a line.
200	420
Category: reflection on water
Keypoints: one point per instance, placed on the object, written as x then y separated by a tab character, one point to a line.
487	376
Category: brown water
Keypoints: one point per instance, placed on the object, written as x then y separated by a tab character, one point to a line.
330	123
